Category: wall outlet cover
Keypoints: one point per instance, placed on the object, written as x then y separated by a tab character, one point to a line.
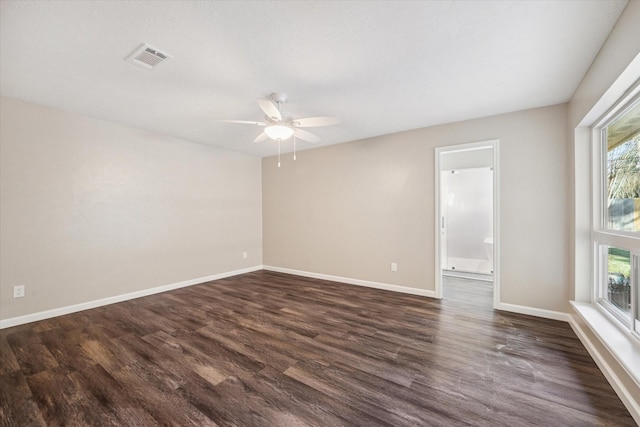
18	291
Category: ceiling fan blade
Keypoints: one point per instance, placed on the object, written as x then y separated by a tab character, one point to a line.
269	109
261	137
244	122
311	122
306	136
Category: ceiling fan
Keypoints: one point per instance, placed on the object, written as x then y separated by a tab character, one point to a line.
279	126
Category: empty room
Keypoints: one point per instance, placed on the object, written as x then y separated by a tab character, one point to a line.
320	213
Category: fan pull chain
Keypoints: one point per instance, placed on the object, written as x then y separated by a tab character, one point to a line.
294	147
278	153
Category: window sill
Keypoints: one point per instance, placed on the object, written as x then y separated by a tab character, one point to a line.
621	343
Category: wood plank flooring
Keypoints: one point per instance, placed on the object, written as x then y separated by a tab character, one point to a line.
269	349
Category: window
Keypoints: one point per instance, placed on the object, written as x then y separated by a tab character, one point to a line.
616	228
621	139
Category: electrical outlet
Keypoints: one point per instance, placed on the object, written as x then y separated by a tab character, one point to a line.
394	266
244	255
18	291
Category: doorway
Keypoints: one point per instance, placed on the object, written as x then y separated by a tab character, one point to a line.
467	225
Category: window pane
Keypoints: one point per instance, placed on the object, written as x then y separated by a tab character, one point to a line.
623	171
619	279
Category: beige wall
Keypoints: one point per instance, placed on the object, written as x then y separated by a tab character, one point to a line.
350	210
91	209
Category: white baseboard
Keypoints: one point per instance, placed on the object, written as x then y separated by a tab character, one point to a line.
630	402
532	311
21	320
350	281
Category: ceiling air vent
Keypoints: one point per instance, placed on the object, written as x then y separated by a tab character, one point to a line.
148	57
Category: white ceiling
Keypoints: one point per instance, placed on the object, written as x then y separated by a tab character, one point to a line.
381	66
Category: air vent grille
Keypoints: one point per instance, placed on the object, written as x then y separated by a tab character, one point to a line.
148	57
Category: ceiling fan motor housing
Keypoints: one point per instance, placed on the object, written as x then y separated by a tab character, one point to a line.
279	97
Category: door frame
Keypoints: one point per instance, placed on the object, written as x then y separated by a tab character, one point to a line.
439	151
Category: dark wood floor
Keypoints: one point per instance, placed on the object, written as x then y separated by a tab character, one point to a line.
268	349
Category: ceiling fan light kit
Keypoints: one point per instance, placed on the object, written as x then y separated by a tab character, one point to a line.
279	132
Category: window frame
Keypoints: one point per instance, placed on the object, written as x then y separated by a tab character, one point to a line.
603	237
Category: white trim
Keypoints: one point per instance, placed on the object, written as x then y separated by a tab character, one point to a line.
621	88
495	145
437	232
609	336
616	338
532	311
41	315
351	281
496	224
